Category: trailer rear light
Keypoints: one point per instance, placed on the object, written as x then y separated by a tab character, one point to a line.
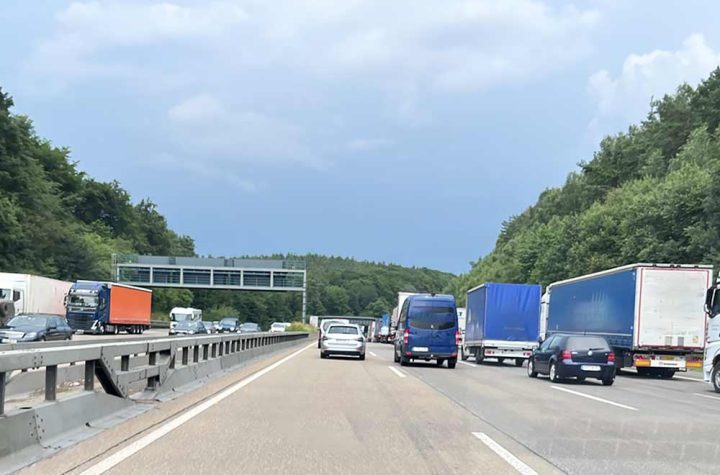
566	355
453	355
611	357
406	336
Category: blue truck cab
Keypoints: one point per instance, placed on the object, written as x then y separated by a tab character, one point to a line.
87	309
427	330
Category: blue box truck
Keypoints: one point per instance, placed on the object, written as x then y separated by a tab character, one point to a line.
652	315
502	321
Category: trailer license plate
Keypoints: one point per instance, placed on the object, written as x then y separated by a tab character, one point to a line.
420	348
587	367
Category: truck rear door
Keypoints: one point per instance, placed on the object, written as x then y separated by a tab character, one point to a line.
670	307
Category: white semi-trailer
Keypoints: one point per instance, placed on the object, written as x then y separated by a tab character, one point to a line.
27	293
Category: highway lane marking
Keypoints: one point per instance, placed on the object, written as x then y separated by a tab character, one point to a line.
595	398
397	371
121	455
687	378
707	396
373	354
468	364
515	462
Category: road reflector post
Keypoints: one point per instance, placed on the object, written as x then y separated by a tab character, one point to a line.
90	375
51	383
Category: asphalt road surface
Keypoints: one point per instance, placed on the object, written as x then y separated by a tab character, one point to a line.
297	413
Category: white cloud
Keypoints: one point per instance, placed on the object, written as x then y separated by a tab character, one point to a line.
227	136
625	99
368	144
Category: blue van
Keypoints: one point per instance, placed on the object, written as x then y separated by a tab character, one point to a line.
427	330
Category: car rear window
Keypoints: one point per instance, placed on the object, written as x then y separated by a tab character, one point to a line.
432	316
587	343
345	330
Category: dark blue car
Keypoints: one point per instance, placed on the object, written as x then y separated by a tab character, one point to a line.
427	330
573	356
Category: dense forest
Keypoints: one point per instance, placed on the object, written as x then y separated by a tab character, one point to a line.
58	222
651	194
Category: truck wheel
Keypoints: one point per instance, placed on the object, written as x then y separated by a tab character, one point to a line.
479	355
531	368
463	353
519	362
501	360
553	373
715	377
643	371
452	362
404	360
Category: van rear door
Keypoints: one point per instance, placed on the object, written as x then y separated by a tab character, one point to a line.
432	324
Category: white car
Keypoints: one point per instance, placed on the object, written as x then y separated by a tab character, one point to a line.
279	327
343	339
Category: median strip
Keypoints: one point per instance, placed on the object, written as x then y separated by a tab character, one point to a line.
514	462
595	398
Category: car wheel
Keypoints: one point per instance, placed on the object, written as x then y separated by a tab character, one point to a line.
608	381
42	338
519	362
452	362
404	360
396	358
439	361
531	368
463	353
580	379
362	357
553	373
323	355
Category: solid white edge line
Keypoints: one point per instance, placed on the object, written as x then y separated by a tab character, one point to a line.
688	378
397	371
373	354
129	450
707	396
468	364
595	398
515	462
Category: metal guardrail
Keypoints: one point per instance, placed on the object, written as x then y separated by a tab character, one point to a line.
111	364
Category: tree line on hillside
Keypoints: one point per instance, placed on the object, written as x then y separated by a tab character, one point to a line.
651	194
58	222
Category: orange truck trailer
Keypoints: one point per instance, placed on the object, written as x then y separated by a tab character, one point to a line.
106	307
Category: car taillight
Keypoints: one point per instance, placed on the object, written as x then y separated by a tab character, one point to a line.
566	355
611	357
406	336
457	337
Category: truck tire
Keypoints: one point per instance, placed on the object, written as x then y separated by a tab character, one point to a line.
463	353
531	368
643	371
404	360
667	373
715	377
452	362
501	360
479	355
518	362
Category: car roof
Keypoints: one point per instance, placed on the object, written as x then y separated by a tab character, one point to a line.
432	297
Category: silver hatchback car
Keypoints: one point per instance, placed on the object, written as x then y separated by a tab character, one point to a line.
342	339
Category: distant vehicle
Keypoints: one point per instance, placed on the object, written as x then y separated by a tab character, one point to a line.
189	327
249	327
106	307
324	324
35	327
183	314
229	325
396	311
574	356
651	314
343	339
502	322
384	330
427	330
278	327
212	327
26	293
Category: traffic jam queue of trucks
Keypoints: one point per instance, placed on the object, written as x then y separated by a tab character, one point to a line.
651	316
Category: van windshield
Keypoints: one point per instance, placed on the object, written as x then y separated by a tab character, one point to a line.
432	316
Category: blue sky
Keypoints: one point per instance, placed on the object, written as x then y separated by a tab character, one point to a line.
402	131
